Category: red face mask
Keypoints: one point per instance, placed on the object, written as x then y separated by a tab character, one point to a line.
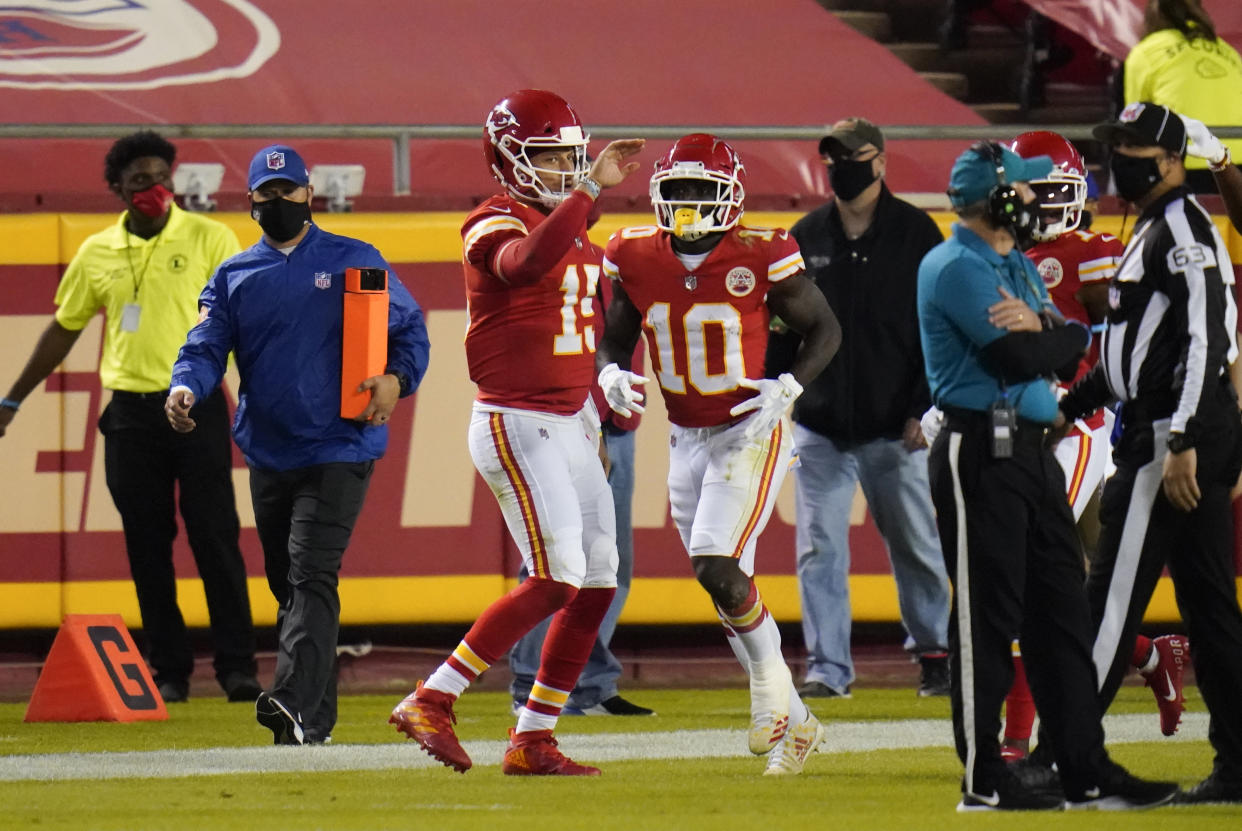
153	201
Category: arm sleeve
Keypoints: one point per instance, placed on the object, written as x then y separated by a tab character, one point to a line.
1197	294
204	356
76	302
782	347
785	259
1089	393
225	245
1024	356
1137	73
408	345
928	236
526	260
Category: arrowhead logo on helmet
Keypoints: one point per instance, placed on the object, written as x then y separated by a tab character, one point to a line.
524	123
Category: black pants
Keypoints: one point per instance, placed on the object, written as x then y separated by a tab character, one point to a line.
305	518
1014	559
1141	533
146	462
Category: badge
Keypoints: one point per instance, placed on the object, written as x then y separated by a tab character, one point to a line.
692	282
740	281
130	313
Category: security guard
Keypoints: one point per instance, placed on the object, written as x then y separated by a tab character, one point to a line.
990	339
146	271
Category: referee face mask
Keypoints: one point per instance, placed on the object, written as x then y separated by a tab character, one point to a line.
1134	176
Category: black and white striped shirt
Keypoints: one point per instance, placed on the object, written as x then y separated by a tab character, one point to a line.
1172	318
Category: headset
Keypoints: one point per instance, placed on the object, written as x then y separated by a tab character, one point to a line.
1006	209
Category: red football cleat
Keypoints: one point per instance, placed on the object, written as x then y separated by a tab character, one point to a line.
1015	750
1172	652
426	716
534	753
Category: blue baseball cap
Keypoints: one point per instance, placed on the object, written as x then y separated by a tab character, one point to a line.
277	161
974	172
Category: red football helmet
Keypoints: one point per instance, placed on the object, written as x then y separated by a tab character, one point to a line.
701	158
1063	195
526	122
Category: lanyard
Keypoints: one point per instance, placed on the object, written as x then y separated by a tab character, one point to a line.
139	277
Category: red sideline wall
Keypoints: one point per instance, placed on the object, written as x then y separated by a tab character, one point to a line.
430	545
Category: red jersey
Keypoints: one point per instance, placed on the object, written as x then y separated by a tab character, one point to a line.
531	347
706	327
1069	262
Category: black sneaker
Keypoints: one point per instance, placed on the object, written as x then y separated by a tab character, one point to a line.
174	692
240	686
617	706
1011	795
1036	776
934	674
818	689
285	727
1119	790
1216	789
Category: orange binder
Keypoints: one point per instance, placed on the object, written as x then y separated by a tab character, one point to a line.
364	339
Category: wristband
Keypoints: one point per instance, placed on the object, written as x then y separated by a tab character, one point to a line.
591	186
1225	161
11	404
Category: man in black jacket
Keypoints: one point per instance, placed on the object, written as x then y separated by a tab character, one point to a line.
858	422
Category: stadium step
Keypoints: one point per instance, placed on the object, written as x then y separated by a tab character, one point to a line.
986	73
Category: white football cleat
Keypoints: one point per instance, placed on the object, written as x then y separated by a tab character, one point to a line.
789	757
770	688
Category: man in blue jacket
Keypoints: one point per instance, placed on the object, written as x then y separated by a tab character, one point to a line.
278	306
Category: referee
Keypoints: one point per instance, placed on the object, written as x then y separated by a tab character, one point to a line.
1165	356
990	337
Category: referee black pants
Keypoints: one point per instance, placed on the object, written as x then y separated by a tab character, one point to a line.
305	518
1016	566
1141	533
151	469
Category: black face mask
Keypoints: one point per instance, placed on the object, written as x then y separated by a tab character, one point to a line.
1134	176
848	179
281	219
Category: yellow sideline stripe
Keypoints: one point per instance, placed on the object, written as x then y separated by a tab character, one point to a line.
409	237
459	599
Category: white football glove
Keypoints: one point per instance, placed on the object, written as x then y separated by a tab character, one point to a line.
619	392
1202	143
932	423
771	401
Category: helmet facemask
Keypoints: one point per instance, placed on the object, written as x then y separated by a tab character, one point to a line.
1060	198
714	206
524	180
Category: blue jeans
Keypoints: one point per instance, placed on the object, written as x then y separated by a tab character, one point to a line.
894	482
598	681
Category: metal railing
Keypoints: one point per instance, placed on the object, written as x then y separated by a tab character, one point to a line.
402	134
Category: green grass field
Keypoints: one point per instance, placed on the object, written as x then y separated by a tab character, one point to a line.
370	778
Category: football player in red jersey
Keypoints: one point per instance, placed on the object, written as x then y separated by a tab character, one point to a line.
1077	264
531	275
703	287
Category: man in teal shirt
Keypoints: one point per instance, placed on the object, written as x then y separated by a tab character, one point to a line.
991	342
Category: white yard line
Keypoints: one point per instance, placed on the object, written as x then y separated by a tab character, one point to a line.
843	737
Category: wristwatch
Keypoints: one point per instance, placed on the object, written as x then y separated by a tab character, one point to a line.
1179	442
403	383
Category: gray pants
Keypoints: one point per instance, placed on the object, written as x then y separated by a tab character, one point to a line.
305	518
